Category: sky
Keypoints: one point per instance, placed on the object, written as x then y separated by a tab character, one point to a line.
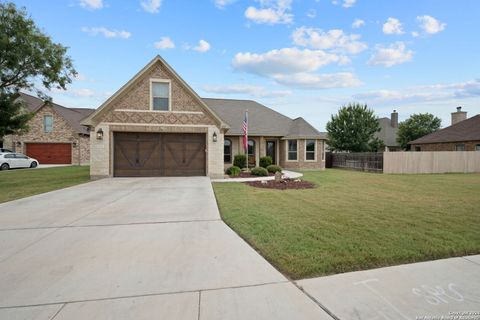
303	58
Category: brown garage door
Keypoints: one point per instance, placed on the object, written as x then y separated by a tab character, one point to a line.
159	154
50	153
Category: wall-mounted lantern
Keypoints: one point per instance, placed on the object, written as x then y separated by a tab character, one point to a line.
74	144
214	137
100	134
19	144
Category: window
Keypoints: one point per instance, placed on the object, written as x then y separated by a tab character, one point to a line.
477	147
418	148
47	123
292	150
227	151
160	96
310	150
251	147
20	156
460	147
323	151
9	156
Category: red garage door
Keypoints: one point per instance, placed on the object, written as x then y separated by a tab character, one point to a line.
50	153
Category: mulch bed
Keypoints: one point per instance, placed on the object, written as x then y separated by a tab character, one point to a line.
283	184
248	175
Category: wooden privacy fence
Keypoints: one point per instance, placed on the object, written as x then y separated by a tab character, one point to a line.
431	162
363	161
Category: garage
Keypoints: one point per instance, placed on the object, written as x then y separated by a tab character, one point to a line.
159	154
50	153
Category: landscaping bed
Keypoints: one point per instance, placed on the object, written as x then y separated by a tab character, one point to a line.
282	184
245	174
356	220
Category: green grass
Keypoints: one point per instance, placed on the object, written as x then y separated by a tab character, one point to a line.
21	183
356	220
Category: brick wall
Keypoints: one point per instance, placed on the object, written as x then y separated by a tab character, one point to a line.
301	163
447	146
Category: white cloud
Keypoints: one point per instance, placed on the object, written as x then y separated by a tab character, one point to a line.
319	81
357	23
152	6
283	61
221	4
271	12
435	92
92	4
164	43
415	34
80	77
203	46
346	3
245	89
106	32
396	53
335	40
430	25
392	26
312	13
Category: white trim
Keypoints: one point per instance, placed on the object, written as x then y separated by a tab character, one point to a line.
157	111
156	125
158	80
286	149
314	151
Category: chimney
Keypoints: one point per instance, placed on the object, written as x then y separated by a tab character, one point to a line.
458	116
394	119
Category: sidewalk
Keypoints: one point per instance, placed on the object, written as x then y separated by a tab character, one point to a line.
426	290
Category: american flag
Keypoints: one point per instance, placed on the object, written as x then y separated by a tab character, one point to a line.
245	132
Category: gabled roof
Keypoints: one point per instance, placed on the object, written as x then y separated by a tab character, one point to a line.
387	133
73	116
262	121
90	120
466	130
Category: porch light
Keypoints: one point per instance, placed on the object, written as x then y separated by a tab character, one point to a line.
214	137
74	144
19	144
100	134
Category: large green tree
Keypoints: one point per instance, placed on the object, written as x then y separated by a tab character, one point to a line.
353	129
418	125
29	60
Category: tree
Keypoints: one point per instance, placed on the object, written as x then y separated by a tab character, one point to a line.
353	128
418	125
27	57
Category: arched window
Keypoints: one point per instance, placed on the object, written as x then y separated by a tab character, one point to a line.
251	147
227	151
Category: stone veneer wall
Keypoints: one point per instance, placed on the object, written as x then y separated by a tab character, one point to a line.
446	146
62	133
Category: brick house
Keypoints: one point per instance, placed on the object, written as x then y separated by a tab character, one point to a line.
462	135
156	125
55	134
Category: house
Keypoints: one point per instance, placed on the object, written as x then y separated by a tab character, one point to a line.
55	134
156	125
462	135
388	132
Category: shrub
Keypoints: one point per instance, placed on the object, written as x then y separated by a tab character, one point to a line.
259	171
274	168
240	160
265	161
233	171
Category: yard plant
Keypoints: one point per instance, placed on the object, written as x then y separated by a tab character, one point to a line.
265	161
274	168
259	171
233	171
356	220
240	160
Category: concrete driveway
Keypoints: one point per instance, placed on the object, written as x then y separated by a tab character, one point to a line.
150	248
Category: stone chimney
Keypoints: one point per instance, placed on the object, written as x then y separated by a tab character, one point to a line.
458	116
394	119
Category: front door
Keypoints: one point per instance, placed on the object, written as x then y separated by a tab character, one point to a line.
272	151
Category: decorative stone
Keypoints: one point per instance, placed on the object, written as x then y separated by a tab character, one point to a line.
278	176
264	182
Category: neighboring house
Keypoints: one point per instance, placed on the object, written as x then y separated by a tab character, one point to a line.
388	132
462	135
156	125
55	134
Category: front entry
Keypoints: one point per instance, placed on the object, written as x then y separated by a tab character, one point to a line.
272	151
159	154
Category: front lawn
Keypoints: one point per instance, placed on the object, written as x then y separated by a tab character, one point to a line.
356	220
21	183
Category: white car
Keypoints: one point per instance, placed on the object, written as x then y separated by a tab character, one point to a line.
16	160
